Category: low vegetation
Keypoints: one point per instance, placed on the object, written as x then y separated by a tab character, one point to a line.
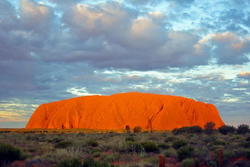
186	146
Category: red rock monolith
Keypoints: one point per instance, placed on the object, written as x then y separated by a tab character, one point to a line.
149	111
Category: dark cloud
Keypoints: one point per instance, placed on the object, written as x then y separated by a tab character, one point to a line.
62	49
244	75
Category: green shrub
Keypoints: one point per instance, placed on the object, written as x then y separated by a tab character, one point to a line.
97	154
209	127
241	163
187	129
225	129
248	139
170	153
246	144
8	153
129	138
137	129
63	144
111	157
179	143
153	161
131	147
242	129
187	162
90	162
96	150
150	147
55	140
70	163
92	143
185	152
163	145
219	142
169	139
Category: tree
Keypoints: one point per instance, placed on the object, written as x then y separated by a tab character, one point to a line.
242	129
226	129
209	127
137	129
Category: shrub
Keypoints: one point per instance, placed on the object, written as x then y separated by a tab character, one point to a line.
8	153
97	154
63	144
111	158
169	139
137	129
175	131
209	127
127	128
179	143
187	162
90	162
187	129
170	153
248	139
185	152
150	147
195	129
246	144
70	163
225	129
219	142
129	138
163	145
241	163
131	147
92	143
242	129
96	150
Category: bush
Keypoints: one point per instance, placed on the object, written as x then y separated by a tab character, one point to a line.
63	144
209	127
127	128
137	129
129	138
241	163
163	145
90	162
219	142
187	129
8	153
246	144
150	147
111	158
185	152
170	153
92	143
242	129
179	143
169	139
131	147
187	162
70	163
248	139
226	129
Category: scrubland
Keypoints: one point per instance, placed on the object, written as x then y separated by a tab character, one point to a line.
188	146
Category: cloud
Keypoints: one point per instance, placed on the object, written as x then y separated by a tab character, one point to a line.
35	16
244	75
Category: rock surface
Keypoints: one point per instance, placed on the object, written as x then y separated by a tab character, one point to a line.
159	112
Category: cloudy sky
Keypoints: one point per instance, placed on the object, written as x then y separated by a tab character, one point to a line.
56	49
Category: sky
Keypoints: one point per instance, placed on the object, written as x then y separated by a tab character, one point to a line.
58	49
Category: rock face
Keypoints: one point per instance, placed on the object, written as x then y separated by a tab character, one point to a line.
150	111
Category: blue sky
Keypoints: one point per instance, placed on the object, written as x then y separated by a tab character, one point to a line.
52	50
